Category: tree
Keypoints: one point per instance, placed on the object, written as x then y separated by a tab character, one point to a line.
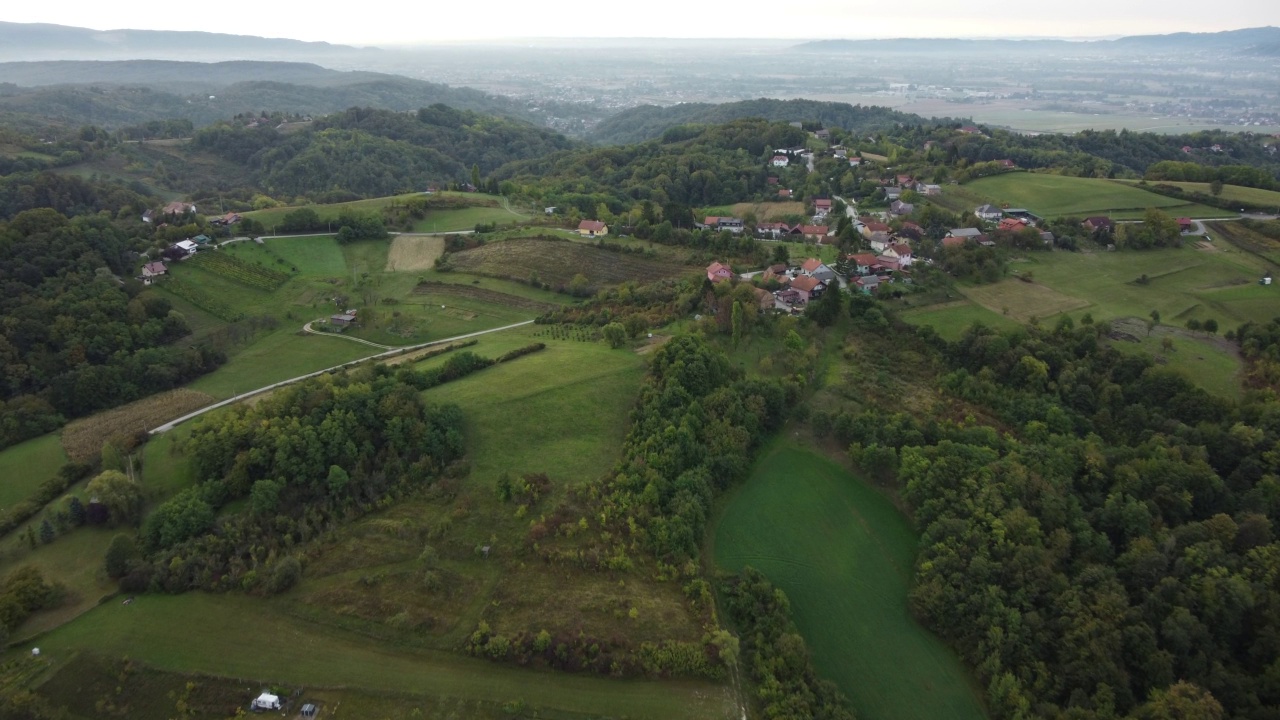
120	494
1182	701
338	480
579	285
284	575
76	511
1210	326
475	176
46	531
111	457
120	553
1153	322
738	323
1193	324
1215	187
781	253
615	334
636	325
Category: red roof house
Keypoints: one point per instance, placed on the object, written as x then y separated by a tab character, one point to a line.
717	272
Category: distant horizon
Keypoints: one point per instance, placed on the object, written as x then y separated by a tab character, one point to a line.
574	20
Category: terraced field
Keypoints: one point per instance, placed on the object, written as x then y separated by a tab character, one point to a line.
557	262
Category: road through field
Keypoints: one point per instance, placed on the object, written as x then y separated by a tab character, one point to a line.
241	396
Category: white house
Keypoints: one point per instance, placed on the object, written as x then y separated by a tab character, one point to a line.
780	161
990	213
900	252
266	701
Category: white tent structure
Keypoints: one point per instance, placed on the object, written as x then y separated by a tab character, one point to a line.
266	701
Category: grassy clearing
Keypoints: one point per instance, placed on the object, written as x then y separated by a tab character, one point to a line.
410	253
844	556
25	465
235	636
1059	195
764	212
83	439
440	221
952	318
313	255
73	559
1208	362
1022	300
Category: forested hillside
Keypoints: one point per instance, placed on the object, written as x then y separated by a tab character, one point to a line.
688	166
75	339
650	121
114	105
377	152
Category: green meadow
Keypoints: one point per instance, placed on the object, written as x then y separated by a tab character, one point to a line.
25	465
1053	196
844	556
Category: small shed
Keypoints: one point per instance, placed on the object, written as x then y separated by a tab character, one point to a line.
309	710
266	701
342	319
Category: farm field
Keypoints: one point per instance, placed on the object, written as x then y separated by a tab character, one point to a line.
952	318
83	439
764	212
844	557
331	211
443	221
414	252
1053	196
280	355
557	262
158	630
25	465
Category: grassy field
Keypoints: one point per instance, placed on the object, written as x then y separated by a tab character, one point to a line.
25	465
235	636
331	211
83	439
73	559
278	356
313	255
558	262
844	556
1020	300
1208	362
1058	195
764	212
952	318
440	221
1253	196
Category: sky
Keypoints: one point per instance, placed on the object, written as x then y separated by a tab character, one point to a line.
395	22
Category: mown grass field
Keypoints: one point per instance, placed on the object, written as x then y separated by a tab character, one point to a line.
25	465
844	556
414	252
247	638
73	559
272	216
1253	196
1020	300
1053	196
952	318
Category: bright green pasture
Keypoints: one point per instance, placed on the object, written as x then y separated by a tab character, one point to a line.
562	411
463	219
1059	195
845	557
25	465
277	356
235	636
313	255
1182	283
951	319
1209	364
1253	196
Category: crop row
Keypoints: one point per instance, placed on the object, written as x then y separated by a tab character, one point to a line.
241	271
203	300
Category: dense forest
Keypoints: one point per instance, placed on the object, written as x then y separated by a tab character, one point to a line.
647	122
73	338
305	458
690	166
369	152
1113	557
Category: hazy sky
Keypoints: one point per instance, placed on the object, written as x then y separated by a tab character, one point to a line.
395	22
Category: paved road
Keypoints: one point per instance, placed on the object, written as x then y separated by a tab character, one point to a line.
174	423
